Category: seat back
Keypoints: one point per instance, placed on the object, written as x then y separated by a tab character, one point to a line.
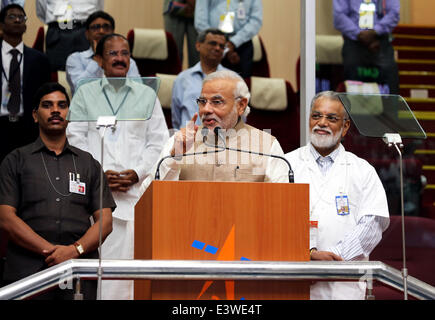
154	51
260	63
274	106
165	95
39	43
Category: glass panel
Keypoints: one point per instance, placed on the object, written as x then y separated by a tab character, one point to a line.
125	98
375	114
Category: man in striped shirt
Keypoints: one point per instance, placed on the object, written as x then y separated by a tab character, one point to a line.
347	198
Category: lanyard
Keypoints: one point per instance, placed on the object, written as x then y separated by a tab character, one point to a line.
49	179
13	73
120	105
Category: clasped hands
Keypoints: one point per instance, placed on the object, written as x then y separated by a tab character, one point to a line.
369	38
121	181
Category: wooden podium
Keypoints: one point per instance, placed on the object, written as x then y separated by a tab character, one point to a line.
189	220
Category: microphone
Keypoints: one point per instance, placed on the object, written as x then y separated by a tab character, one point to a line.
204	133
218	133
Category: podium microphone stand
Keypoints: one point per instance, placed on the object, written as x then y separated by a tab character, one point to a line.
394	139
103	122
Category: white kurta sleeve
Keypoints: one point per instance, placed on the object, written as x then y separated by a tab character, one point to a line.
156	136
277	169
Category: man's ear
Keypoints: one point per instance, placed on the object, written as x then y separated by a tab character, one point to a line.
241	105
35	115
198	46
99	60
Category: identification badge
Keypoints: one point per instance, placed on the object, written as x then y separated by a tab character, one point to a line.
241	12
367	15
342	204
77	187
226	22
314	231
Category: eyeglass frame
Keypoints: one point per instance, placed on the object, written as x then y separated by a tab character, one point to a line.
329	117
13	17
201	104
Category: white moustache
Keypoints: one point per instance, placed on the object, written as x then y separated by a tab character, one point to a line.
317	127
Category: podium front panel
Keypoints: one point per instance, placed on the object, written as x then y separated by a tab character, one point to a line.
186	220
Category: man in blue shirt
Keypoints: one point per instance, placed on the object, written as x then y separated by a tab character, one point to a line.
368	54
241	20
83	65
187	86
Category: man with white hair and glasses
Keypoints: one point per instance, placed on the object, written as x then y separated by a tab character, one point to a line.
222	103
347	199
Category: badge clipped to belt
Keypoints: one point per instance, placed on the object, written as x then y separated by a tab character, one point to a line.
342	204
367	11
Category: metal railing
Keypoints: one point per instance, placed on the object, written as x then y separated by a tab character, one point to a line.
215	270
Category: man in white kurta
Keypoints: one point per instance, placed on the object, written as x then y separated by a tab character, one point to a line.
129	152
346	196
222	102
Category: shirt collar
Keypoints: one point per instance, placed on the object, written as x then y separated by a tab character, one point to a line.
316	155
6	47
88	53
105	84
198	69
39	145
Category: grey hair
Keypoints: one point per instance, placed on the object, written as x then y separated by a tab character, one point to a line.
241	89
331	95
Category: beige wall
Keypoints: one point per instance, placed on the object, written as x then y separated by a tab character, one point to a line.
280	31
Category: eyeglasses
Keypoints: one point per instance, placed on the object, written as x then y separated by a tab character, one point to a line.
114	53
106	27
13	17
329	117
216	103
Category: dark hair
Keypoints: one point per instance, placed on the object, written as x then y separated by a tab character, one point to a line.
48	88
203	34
99	14
5	10
100	45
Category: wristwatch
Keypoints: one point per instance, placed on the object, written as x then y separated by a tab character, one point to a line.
79	248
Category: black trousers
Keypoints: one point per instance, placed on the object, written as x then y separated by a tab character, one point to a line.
363	65
246	54
61	42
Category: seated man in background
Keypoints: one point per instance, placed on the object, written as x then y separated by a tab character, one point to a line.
222	102
82	65
187	86
130	150
347	198
48	192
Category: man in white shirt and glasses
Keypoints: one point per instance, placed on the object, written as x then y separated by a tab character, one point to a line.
347	199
